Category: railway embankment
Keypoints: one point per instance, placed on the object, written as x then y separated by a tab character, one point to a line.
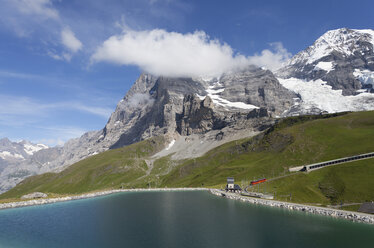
352	216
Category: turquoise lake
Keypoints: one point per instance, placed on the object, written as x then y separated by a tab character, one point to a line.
173	219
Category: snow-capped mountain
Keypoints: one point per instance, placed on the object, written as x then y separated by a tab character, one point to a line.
344	42
156	106
12	155
18	150
334	74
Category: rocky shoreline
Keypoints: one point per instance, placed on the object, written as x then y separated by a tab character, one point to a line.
353	216
88	195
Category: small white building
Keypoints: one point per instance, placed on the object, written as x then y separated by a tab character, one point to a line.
231	186
230	183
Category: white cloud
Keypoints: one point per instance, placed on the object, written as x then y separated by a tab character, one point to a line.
40	19
10	105
27	17
99	111
271	59
174	54
137	101
27	114
42	8
69	40
12	74
169	53
25	108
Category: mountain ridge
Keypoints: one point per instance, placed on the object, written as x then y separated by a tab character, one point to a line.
213	110
292	141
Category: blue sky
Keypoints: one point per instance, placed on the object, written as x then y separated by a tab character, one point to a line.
64	64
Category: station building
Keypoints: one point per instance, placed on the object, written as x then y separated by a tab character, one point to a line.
231	186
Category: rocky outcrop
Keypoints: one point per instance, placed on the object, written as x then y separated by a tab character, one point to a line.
34	195
198	116
258	113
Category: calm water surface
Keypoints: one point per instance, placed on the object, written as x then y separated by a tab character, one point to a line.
173	219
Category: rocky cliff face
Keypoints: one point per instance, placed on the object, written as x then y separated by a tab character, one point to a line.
157	106
198	116
259	88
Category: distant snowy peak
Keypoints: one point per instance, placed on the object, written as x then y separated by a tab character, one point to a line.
10	155
346	42
18	150
30	148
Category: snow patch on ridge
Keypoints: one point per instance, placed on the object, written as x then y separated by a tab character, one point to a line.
170	145
7	155
320	95
213	92
30	149
326	66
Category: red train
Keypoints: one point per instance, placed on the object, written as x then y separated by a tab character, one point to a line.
258	181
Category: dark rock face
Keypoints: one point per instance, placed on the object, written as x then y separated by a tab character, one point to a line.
220	135
346	49
157	116
258	113
257	87
198	116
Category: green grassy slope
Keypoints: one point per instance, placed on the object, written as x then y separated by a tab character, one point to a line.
348	183
293	141
110	169
288	144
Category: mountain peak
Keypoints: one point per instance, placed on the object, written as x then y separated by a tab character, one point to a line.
344	41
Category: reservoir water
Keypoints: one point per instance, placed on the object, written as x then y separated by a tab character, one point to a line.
173	219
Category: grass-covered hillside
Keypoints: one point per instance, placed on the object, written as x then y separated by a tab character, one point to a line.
291	142
111	169
345	183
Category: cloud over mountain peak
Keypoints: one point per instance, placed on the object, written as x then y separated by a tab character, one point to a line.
175	54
